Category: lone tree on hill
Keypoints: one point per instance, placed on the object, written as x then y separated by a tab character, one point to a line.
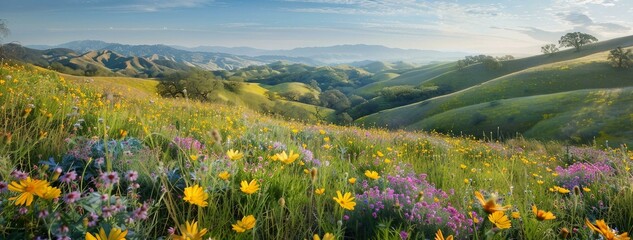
549	49
620	58
576	40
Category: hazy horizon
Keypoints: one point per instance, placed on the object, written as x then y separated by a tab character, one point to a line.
483	27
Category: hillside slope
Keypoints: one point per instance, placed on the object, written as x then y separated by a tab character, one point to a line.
580	116
583	71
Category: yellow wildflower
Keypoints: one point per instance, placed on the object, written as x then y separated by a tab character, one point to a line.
602	228
234	154
352	180
115	234
372	174
224	175
51	193
196	195
440	236
28	187
189	231
246	223
327	236
287	158
500	220
346	201
249	187
490	206
542	215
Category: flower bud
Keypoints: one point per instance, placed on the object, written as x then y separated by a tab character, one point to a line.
313	174
56	173
564	233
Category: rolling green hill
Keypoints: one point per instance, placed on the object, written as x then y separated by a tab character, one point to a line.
477	91
579	116
299	88
411	78
251	95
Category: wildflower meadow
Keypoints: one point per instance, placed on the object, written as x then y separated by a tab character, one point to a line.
84	160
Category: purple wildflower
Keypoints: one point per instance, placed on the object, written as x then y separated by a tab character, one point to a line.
409	198
72	197
23	210
131	175
3	186
42	214
100	161
582	174
19	175
68	177
108	211
141	213
279	146
93	218
404	235
189	144
109	178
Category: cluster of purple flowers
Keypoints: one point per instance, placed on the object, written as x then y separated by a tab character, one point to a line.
308	157
582	173
410	199
189	144
585	154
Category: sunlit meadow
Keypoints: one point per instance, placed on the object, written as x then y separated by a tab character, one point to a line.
82	160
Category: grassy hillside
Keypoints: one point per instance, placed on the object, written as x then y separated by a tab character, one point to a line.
296	87
411	78
478	73
251	95
588	72
151	166
142	88
581	116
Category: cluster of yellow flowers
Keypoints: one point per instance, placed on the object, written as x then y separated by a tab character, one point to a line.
497	214
114	234
29	188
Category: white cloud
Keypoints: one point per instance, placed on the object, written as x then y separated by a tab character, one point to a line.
582	20
157	5
399	8
608	3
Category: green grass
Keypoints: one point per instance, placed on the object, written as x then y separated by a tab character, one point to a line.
413	77
581	116
143	87
64	123
588	72
297	87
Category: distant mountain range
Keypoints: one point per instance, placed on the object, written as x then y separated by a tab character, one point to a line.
92	57
95	62
204	60
342	53
310	55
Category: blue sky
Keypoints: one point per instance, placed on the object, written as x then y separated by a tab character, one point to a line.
502	26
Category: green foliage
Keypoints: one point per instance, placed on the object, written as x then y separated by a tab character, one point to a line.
334	99
619	58
401	93
195	84
489	61
576	40
549	49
